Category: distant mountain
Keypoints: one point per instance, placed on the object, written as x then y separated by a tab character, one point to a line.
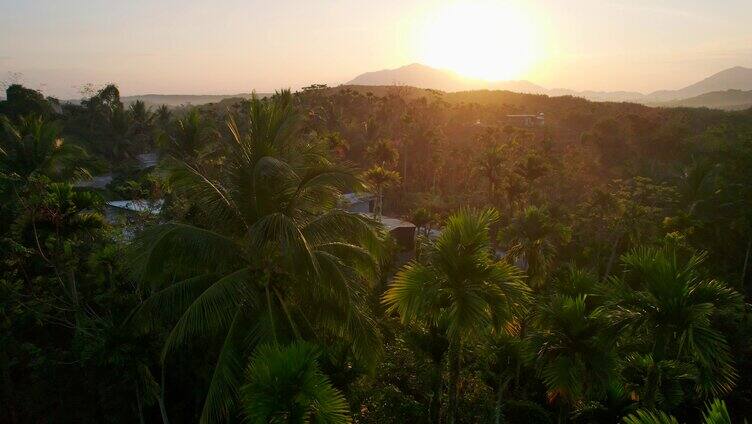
727	100
422	76
737	78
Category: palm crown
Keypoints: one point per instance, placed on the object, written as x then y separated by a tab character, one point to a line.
266	258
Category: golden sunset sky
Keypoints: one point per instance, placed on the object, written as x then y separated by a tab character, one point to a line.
231	46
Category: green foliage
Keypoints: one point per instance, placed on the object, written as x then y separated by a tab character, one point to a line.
716	413
285	385
460	284
663	298
253	297
521	411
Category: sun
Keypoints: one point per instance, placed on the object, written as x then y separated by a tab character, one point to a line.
490	40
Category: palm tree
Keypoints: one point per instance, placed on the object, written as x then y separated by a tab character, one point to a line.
266	257
163	115
715	413
383	154
192	136
336	143
34	146
666	302
574	349
286	385
657	383
535	238
59	222
378	179
422	219
506	355
460	287
491	166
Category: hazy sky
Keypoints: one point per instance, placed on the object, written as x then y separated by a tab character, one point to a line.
230	46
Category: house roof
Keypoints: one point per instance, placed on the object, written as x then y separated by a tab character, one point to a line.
394	223
154	207
99	181
147	160
356	197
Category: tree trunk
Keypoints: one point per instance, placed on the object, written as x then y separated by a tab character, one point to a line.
454	376
140	405
746	262
404	169
161	399
434	406
612	257
380	201
8	391
499	410
74	296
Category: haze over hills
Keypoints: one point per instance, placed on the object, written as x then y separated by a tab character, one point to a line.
175	100
737	78
730	89
727	100
417	75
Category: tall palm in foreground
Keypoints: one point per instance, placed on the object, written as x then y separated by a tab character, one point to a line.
666	302
460	287
265	257
286	385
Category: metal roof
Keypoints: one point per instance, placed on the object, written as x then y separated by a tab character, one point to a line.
154	207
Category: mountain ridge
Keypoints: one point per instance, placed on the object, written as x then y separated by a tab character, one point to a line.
422	76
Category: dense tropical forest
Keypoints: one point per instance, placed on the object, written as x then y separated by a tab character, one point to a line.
588	263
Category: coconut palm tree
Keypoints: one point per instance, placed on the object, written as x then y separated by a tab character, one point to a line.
460	287
286	385
192	135
379	179
33	145
665	301
265	258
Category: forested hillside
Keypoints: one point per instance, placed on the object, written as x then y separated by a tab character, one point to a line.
573	261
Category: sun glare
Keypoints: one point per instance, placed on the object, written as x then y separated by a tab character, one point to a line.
490	40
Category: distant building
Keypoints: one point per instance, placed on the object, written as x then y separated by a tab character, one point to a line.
97	182
147	160
357	202
402	231
529	121
363	203
129	210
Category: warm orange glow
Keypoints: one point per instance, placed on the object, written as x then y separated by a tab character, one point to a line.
491	40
